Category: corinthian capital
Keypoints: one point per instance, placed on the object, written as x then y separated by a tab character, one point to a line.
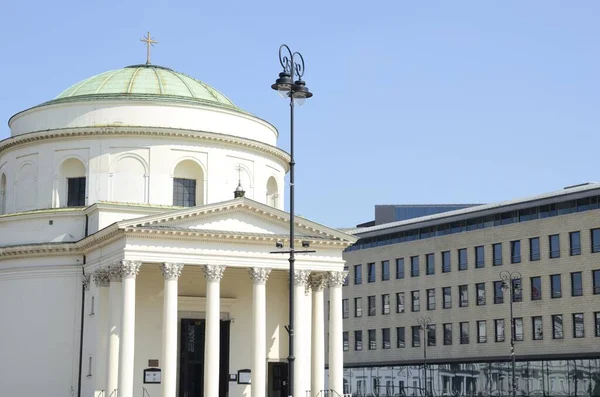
86	282
259	275
213	272
130	268
101	278
115	274
301	277
336	279
171	271
317	281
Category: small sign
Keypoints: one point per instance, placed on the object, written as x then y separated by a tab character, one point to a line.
233	377
244	377
153	362
152	375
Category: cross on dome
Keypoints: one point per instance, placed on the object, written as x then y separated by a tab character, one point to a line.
149	43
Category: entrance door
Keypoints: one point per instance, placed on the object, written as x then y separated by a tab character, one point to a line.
278	380
191	358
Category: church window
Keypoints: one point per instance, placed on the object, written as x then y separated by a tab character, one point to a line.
272	193
72	182
184	192
76	192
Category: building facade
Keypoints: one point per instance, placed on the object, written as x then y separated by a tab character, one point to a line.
128	268
446	268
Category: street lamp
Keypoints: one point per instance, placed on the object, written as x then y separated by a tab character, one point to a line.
508	279
297	92
424	324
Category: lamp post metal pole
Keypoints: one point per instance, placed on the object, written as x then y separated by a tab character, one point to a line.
424	323
507	281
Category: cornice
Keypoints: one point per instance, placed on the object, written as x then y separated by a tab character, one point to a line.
36	250
66	133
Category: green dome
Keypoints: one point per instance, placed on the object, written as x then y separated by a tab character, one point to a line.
145	82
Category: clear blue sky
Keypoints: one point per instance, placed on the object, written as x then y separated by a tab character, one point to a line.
415	102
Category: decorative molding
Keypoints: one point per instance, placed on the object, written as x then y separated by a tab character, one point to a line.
130	269
213	272
301	277
102	278
115	273
86	281
336	279
259	275
171	271
198	304
317	281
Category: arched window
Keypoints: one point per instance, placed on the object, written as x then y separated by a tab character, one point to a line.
3	194
188	184
272	193
71	184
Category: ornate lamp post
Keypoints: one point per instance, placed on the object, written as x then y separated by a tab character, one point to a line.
424	324
508	283
297	92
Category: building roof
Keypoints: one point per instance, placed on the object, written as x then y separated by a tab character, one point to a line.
476	210
144	82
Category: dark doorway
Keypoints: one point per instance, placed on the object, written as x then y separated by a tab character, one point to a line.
191	358
278	380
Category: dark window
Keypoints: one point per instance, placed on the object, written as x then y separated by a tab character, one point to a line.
447	297
554	246
76	192
596	281
447	334
576	284
446	264
463	295
536	288
370	272
597	323
497	254
357	307
416	335
430	259
372	339
345	308
498	292
518	331
372	305
517	290
555	287
400	337
358	274
534	249
184	192
515	251
462	259
431	299
464	333
481	332
416	302
400	302
385	304
385	270
557	326
578	331
480	287
595	237
499	330
431	335
347	278
346	341
399	268
538	332
385	338
358	340
414	266
574	243
479	257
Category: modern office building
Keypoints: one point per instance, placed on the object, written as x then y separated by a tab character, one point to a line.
447	268
402	212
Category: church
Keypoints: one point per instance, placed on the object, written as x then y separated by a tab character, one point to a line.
140	216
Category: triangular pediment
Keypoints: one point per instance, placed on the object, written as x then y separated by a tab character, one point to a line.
236	217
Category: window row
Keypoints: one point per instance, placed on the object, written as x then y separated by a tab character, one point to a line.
498	332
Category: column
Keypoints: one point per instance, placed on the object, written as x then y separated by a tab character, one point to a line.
102	281
171	273
213	275
336	344
259	276
114	330
317	283
129	270
301	364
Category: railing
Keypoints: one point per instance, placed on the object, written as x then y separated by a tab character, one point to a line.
576	292
534	257
497	261
555	254
146	394
431	306
498	299
480	301
100	394
479	264
462	266
446	269
464	340
463	303
575	251
482	339
447	305
556	293
515	259
595	248
114	393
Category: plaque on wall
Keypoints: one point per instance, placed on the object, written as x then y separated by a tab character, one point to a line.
153	362
152	375
243	377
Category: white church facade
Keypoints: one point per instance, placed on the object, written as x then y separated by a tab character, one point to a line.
128	268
